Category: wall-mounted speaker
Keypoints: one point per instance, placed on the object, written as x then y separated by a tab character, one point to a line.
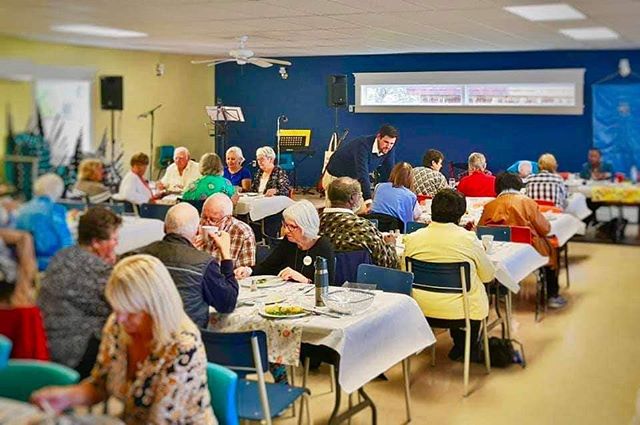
337	92
111	92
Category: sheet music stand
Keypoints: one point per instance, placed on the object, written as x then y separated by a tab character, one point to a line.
220	116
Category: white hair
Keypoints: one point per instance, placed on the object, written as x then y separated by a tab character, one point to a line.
525	165
141	283
265	151
50	185
181	149
182	219
306	216
219	201
477	161
237	151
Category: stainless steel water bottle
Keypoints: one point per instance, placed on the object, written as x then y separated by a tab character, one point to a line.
321	280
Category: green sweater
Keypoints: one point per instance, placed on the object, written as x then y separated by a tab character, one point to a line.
206	186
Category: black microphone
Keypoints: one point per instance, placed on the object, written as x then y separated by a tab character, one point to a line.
146	114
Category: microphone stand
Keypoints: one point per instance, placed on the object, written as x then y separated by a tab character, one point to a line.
151	113
282	118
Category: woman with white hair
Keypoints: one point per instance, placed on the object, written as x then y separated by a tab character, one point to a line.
210	182
270	179
238	175
294	257
151	355
46	220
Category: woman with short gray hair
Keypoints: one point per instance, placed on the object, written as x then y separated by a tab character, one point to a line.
270	179
210	182
238	175
294	257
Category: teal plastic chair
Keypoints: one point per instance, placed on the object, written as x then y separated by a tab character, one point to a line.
22	377
223	387
412	226
5	351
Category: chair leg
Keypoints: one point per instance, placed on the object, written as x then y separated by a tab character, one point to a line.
350	406
566	263
332	374
485	337
291	381
467	358
305	373
433	354
407	390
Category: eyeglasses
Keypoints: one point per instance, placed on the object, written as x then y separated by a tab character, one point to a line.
290	227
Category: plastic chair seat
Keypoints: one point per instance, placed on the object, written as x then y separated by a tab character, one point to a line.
281	396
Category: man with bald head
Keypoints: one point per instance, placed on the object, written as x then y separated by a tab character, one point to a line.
217	211
181	173
202	281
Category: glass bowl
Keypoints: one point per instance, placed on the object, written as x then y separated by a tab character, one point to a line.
348	301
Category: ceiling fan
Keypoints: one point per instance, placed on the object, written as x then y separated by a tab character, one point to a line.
243	56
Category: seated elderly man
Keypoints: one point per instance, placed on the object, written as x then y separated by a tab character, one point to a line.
479	182
428	180
217	211
443	241
524	168
511	208
181	173
46	220
201	280
547	185
349	232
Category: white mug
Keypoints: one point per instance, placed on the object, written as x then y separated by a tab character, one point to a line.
207	231
487	243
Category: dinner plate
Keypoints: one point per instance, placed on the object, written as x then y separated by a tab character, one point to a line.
263	313
266	300
249	194
272	281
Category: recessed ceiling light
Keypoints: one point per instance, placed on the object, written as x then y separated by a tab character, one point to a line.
592	33
546	12
97	31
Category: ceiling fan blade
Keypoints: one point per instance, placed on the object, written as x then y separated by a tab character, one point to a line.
221	61
206	61
275	61
261	63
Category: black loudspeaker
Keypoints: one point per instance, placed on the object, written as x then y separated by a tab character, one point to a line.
337	91
111	93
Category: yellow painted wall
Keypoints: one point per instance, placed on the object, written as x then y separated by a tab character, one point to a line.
184	91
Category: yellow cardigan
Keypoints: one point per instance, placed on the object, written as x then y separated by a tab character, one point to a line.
450	243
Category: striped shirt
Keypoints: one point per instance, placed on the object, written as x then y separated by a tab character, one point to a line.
546	186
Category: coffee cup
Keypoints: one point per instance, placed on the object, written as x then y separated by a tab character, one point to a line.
487	243
207	231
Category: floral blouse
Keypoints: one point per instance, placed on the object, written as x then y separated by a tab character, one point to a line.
170	385
278	180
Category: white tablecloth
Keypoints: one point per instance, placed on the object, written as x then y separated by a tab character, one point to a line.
259	207
137	232
564	226
577	206
515	261
369	343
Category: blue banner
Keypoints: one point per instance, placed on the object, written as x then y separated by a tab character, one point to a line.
616	124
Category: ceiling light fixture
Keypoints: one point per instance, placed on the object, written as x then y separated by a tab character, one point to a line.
97	31
546	12
591	33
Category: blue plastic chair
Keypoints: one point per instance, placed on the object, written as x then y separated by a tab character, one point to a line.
347	263
223	387
72	205
118	208
198	203
22	377
246	353
157	211
499	233
412	226
5	351
451	278
387	280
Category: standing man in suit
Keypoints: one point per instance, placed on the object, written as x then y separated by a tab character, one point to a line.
358	157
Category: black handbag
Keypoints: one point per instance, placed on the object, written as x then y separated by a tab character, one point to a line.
502	353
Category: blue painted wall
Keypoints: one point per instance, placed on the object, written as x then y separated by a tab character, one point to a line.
263	95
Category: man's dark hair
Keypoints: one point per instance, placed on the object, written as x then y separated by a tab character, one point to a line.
506	181
448	206
97	223
596	149
432	155
388	130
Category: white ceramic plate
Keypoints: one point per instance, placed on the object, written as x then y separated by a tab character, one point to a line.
272	281
279	316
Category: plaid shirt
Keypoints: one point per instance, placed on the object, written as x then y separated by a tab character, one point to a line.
243	241
427	181
547	187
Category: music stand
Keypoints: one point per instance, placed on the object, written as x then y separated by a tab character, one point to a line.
220	116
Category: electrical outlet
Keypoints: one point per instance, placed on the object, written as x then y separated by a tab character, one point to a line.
352	108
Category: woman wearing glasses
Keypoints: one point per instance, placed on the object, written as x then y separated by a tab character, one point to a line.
294	257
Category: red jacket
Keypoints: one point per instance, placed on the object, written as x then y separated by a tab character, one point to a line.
478	184
23	326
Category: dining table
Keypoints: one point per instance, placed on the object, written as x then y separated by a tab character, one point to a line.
15	412
259	206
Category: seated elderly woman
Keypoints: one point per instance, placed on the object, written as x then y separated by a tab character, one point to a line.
90	176
151	356
134	187
395	197
210	182
270	179
238	175
524	168
294	257
46	220
72	294
444	241
479	182
547	185
511	208
428	180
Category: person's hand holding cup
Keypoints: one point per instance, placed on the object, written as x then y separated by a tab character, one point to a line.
487	243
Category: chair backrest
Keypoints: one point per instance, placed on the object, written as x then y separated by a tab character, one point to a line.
347	263
223	386
25	328
234	350
412	226
5	351
521	234
386	222
22	377
545	202
198	203
130	207
157	211
72	205
375	222
499	233
165	157
440	277
388	280
118	208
